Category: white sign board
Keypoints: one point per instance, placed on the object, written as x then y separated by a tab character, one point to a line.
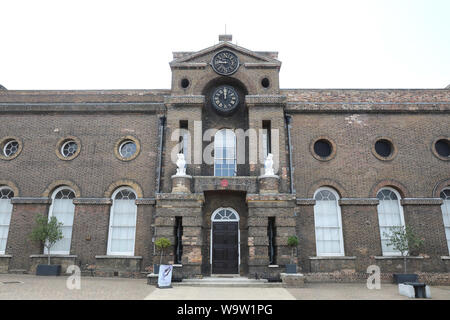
165	276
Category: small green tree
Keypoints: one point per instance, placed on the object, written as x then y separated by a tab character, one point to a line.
47	232
404	240
162	244
293	243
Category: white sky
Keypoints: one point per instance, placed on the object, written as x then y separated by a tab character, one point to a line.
67	44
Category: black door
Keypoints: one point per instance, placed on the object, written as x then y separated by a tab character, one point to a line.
225	248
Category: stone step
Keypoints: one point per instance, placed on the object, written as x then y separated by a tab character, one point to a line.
18	271
234	282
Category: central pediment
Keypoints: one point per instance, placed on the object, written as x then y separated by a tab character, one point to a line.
248	57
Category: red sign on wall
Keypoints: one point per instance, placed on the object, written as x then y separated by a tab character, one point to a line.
224	183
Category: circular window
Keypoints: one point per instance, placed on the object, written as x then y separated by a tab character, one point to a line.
323	149
383	148
265	82
185	83
10	148
127	148
68	148
442	147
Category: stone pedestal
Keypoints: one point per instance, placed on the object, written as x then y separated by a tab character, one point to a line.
152	279
4	263
293	280
268	183
181	184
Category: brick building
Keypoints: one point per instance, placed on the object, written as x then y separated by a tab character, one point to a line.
348	165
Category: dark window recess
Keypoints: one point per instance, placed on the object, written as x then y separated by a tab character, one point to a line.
322	148
183	136
271	233
184	83
265	83
267	132
443	148
178	240
383	148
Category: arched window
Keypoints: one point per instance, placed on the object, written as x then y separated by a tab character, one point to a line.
63	209
445	195
225	153
5	215
328	225
390	214
224	214
122	223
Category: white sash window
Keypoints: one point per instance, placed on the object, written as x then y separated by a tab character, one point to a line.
5	216
122	223
445	195
225	153
63	209
328	225
390	214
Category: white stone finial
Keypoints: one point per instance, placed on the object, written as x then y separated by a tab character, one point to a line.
181	165
268	165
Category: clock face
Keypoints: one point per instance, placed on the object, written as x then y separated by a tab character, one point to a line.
225	63
225	99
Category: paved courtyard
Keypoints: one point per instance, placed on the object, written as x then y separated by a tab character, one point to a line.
25	287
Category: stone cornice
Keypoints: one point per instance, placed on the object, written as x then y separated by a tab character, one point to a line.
194	100
359	201
368	107
262	65
265	100
90	201
305	202
188	65
145	201
88	107
421	201
31	200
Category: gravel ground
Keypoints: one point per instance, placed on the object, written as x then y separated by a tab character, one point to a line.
24	287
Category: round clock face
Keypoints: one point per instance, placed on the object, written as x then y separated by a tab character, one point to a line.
225	99
225	63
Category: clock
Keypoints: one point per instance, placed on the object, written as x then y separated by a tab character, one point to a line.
225	99
225	63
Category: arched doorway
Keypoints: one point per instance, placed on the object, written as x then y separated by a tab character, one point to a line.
225	238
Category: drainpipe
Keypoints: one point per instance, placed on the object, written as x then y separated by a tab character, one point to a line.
288	119
162	121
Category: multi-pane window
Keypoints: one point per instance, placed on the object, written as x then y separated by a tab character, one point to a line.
10	148
62	208
266	138
5	215
225	153
69	148
127	149
390	214
445	195
328	226
122	224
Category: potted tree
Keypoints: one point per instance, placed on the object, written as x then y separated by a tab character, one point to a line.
161	244
404	240
47	232
292	243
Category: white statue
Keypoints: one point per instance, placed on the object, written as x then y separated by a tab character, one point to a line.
268	165
181	164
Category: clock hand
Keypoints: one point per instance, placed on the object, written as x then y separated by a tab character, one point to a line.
225	93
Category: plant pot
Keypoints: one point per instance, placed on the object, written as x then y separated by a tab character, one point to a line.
291	268
405	277
156	268
48	270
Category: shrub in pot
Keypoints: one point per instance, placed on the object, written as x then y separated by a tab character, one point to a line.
292	243
47	232
161	244
404	240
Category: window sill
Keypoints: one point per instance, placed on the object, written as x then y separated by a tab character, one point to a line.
396	257
117	257
445	257
333	258
273	266
53	256
5	256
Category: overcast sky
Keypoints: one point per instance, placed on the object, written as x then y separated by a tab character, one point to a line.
66	44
